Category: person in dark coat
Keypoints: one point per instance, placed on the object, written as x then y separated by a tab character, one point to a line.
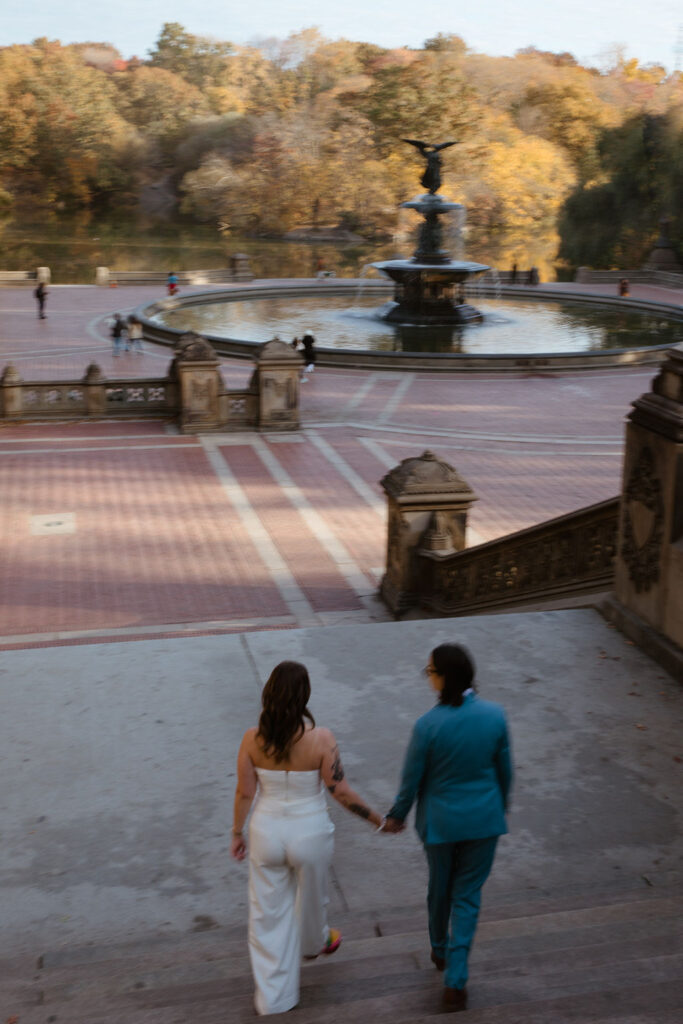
117	330
41	296
308	342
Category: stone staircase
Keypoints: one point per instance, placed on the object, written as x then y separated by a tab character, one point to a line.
583	957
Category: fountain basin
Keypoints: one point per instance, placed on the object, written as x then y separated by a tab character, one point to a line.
542	357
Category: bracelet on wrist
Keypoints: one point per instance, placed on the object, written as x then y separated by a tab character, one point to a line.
236	833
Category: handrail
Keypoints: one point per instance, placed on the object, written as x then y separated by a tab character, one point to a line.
568	555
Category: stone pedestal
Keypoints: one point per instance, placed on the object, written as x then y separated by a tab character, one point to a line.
649	568
95	391
10	393
239	267
195	368
102	277
428	502
43	275
278	368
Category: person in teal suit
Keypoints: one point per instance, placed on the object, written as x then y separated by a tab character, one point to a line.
458	767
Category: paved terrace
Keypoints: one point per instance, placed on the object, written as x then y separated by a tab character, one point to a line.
122	531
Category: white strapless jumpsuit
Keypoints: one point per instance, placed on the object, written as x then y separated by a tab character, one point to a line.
290	852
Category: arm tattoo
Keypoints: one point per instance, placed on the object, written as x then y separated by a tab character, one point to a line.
337	770
360	810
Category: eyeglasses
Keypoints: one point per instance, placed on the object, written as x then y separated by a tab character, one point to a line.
428	670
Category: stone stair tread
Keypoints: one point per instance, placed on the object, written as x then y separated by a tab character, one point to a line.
331	983
595	944
619	932
633	1004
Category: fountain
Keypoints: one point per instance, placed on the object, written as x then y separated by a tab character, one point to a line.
430	287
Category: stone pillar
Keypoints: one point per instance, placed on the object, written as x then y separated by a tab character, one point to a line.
10	393
278	368
425	496
649	565
94	385
43	275
102	276
239	267
196	370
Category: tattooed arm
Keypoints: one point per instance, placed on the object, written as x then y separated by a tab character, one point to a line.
333	776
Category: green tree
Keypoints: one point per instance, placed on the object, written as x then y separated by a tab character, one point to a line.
198	59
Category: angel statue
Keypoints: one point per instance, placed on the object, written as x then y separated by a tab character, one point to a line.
431	179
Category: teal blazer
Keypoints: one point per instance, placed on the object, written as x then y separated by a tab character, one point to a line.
458	767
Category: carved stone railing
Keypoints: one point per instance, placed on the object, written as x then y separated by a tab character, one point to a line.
585	275
193	392
571	555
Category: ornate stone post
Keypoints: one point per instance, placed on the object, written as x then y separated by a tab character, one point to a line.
649	565
278	367
10	393
424	495
239	267
95	391
195	367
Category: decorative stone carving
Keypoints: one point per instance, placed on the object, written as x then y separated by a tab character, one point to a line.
424	474
93	374
643	523
278	368
193	348
649	572
428	502
11	392
571	552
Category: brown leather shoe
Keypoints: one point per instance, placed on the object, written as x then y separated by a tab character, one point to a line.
438	961
454	999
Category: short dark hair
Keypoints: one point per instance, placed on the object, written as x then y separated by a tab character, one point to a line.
455	664
284	701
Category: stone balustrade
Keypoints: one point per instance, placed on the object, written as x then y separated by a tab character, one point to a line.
193	393
629	547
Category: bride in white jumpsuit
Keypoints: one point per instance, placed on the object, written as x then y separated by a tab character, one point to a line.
286	763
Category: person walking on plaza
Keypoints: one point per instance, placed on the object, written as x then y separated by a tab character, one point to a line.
41	297
135	333
172	283
284	764
308	342
117	330
458	768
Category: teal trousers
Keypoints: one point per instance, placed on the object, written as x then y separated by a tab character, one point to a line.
457	872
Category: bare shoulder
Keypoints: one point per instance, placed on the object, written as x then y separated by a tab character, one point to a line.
324	736
249	738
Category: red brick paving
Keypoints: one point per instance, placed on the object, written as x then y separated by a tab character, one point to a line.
310	564
157	541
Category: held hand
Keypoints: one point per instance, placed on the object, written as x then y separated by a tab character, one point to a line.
394	825
238	847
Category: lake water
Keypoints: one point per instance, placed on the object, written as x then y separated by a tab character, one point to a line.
73	246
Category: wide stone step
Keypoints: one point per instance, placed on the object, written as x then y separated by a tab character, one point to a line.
382	974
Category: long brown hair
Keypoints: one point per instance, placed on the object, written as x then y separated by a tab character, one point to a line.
284	701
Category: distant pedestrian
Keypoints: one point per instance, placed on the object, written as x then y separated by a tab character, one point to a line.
308	342
172	283
624	287
41	297
118	328
513	274
295	343
134	333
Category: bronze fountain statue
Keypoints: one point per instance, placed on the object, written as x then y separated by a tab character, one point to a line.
430	287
